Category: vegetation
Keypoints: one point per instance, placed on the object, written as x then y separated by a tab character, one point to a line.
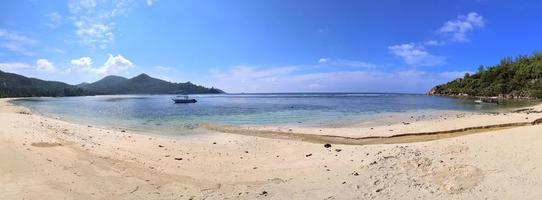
511	78
13	85
144	84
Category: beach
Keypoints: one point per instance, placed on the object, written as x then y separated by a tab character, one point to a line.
475	156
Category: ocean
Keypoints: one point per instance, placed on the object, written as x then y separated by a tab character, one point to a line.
158	114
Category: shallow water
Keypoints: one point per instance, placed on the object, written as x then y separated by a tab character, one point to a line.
157	113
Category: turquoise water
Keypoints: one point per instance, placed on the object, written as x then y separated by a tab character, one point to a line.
158	113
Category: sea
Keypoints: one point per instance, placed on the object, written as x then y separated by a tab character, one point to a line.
158	114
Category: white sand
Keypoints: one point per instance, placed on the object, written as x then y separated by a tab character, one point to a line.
44	158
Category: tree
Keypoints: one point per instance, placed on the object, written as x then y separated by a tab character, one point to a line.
519	76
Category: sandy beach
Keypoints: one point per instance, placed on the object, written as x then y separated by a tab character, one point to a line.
474	156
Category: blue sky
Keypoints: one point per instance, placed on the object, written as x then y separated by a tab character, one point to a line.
266	46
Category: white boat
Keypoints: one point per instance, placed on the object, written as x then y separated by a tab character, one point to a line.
183	99
492	100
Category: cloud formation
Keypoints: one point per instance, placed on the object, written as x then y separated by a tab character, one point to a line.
93	20
151	2
413	54
345	63
44	65
41	65
113	65
295	79
458	28
16	43
82	64
14	66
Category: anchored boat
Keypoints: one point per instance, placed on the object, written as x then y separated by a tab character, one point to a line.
183	99
493	100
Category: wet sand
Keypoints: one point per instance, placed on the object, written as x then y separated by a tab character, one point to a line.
46	158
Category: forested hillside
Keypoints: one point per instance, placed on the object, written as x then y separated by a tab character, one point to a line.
144	84
14	85
519	77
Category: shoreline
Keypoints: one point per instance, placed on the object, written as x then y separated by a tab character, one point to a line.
376	119
45	158
448	123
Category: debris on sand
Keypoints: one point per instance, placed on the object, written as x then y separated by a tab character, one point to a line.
327	145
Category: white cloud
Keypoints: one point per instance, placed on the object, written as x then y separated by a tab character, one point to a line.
92	34
151	2
94	20
14	66
41	65
322	60
345	63
458	28
16	43
434	43
54	20
114	64
293	79
82	64
77	6
415	55
14	37
44	65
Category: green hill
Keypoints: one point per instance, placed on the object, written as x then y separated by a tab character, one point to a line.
144	84
520	77
14	85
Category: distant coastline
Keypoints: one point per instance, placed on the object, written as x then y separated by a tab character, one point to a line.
14	85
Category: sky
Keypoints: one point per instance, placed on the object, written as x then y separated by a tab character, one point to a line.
267	45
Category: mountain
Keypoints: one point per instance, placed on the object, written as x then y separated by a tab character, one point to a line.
14	85
520	77
105	85
144	84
